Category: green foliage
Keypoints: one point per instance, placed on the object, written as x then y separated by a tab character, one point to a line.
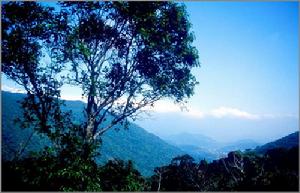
21	34
117	175
157	45
66	165
180	175
48	172
277	170
126	50
25	32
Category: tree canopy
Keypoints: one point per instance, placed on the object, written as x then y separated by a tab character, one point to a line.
276	170
124	56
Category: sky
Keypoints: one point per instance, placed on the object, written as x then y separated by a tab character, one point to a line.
249	72
249	55
249	76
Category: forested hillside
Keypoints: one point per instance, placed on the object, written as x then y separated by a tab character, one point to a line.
288	142
144	149
277	170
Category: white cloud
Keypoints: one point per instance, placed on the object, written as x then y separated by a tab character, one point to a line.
73	98
170	107
220	112
233	112
165	107
11	89
191	112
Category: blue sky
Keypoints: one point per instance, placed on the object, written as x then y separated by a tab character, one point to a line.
249	73
249	55
248	77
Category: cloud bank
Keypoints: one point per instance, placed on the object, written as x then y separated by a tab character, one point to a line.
11	89
170	107
220	112
233	112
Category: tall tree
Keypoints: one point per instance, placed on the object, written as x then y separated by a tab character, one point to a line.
127	55
124	56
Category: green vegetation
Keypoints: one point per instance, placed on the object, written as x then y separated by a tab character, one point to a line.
113	52
277	170
52	173
146	150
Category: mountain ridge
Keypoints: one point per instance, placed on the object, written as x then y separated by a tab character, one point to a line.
287	142
146	150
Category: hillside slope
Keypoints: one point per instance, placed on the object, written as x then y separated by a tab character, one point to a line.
287	142
143	148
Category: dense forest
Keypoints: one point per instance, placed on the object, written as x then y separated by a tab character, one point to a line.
276	170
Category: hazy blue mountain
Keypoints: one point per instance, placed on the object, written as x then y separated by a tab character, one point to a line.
145	149
288	142
239	145
191	139
199	153
221	129
13	138
201	146
197	145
